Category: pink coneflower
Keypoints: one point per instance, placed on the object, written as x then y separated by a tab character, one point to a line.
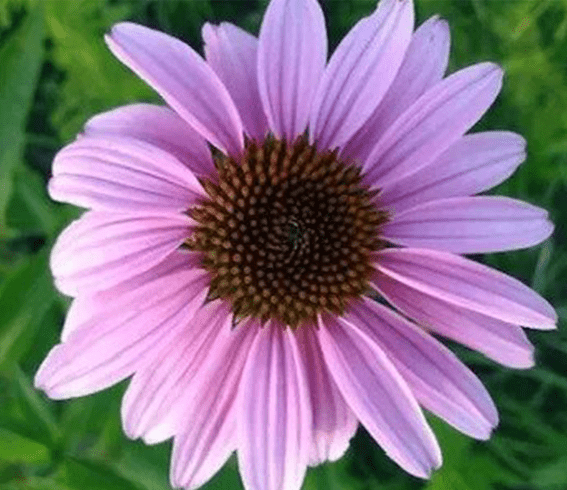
238	286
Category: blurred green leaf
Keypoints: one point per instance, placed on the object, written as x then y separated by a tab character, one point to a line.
84	474
91	425
10	7
15	448
20	61
35	483
34	409
552	476
227	477
94	80
148	465
24	298
465	467
30	208
332	476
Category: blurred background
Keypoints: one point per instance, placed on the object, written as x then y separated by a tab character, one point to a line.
55	73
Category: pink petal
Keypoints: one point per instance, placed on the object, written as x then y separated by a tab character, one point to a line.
185	81
118	173
500	341
156	389
423	66
210	437
467	284
379	396
113	342
435	121
439	381
274	413
470	225
292	52
159	126
85	306
101	249
475	163
232	53
360	72
334	424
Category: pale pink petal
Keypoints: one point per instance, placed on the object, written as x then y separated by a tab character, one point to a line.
360	72
334	424
440	382
156	389
118	173
475	163
184	80
292	52
432	123
101	249
232	53
424	65
214	439
210	437
274	413
467	284
469	225
112	343
85	306
159	126
379	396
500	341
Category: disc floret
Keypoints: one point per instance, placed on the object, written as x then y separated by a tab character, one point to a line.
286	232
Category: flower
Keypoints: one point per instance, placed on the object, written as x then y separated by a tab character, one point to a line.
243	288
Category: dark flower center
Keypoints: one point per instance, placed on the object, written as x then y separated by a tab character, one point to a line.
286	232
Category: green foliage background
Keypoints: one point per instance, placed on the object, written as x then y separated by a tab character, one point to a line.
55	72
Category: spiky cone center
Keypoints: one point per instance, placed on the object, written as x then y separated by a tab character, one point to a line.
286	232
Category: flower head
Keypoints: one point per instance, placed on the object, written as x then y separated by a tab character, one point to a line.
243	241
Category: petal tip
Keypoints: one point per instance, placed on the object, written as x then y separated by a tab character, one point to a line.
426	472
496	70
52	187
527	363
125	26
439	23
38	382
109	41
41	382
208	31
118	29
